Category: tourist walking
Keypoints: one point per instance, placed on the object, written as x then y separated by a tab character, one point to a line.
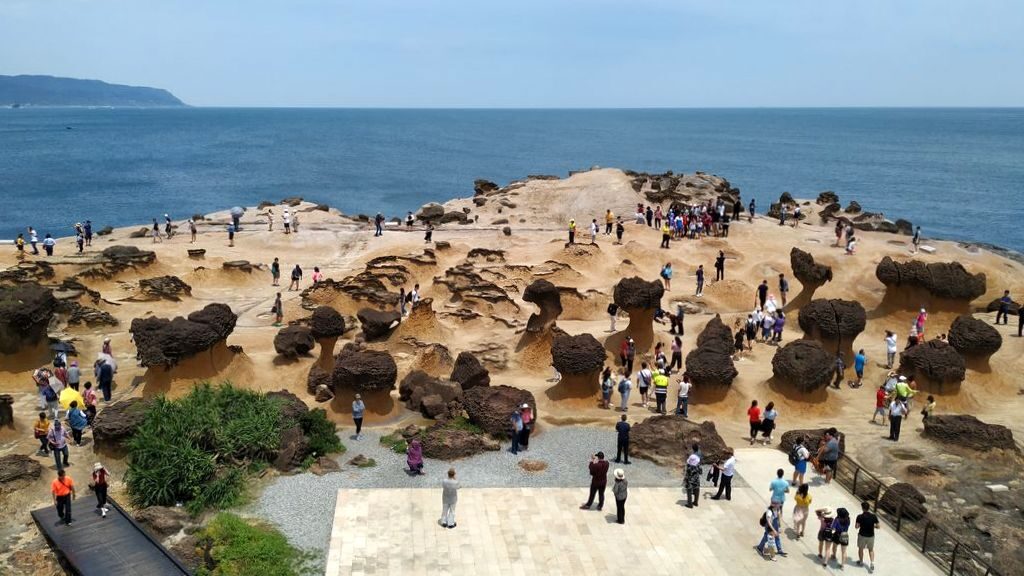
691	479
598	481
825	518
449	498
613	312
772	523
414	457
63	490
625	385
358	408
720	266
73	375
277	309
89	397
622	441
275	273
881	402
754	419
104	372
78	420
866	523
1020	321
840	370
677	354
516	430
607	385
916	240
40	430
428	235
728	469
897	410
700	280
378	225
666	275
761	295
768	423
828	454
526	413
890	349
683	401
57	441
609	221
621	491
231	235
778	488
666	235
840	538
783	288
48	244
801	509
296	277
99	485
1004	307
750	209
619	231
155	232
33	240
859	359
572	231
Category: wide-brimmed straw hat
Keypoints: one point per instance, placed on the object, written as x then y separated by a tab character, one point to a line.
619	474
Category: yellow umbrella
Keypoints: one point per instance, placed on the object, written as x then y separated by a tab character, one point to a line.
69	395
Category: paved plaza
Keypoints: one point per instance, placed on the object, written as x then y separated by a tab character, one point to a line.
531	531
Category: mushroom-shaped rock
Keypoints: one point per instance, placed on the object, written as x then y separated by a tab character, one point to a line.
427	394
811	274
662	439
973	337
490	407
116	423
25	311
579	359
933	362
827	197
640	299
165	342
547	297
967	431
294	341
903	498
326	322
833	321
710	363
378	323
944	280
430	211
803	364
364	371
469	372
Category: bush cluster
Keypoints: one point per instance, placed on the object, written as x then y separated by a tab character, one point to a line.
237	547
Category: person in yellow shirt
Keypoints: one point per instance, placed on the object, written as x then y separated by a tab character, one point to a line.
609	221
39	430
660	390
666	233
572	231
801	510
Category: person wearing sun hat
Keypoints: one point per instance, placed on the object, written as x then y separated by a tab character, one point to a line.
99	486
524	436
620	491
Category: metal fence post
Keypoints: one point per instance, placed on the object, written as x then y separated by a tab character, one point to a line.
899	516
856	474
924	539
952	562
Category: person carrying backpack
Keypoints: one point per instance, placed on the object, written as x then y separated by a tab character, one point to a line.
798	456
771	521
624	387
613	312
607	384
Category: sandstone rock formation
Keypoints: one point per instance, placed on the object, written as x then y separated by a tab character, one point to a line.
579	359
687	189
803	364
367	372
428	395
326	322
162	288
444	441
471	290
547	297
973	337
934	364
666	440
993	306
827	197
469	372
809	273
116	259
710	363
116	423
940	280
162	521
640	299
294	341
165	342
490	407
967	431
812	439
378	324
903	499
18	471
835	322
25	312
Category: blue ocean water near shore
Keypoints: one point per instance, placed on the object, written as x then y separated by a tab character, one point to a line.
957	172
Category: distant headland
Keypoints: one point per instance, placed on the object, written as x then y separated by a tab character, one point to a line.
30	90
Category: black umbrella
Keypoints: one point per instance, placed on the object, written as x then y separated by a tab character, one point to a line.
65	347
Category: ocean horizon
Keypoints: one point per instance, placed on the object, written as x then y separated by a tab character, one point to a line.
957	172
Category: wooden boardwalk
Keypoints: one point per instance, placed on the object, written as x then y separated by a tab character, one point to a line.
97	546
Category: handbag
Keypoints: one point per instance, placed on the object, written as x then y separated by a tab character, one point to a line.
844	538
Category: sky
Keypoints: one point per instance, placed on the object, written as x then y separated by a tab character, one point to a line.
531	53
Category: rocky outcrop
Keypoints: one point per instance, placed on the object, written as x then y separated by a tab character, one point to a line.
853	208
471	290
294	341
326	322
446	441
18	471
91	317
117	422
993	306
430	212
165	342
934	363
292	407
318	377
292	450
710	363
547	297
491	407
803	364
640	299
835	322
577	355
810	274
469	372
666	440
482	187
162	288
27	271
378	324
969	432
903	499
162	521
827	197
116	259
973	337
238	265
25	312
812	439
428	395
945	280
688	189
364	371
6	410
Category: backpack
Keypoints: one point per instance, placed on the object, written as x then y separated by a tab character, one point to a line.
763	521
50	395
613	309
58	360
622	386
664	273
794	454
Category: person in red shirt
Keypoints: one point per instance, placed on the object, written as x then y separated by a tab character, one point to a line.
99	486
754	416
880	402
63	490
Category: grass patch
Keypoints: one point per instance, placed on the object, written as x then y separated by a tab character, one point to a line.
238	547
368	463
463	423
395	442
322	433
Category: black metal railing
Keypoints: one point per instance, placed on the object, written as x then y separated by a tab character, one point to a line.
909	520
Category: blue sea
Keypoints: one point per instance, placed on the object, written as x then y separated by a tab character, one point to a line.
959	173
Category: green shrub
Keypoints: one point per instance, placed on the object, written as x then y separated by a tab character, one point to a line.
395	442
239	548
322	433
463	423
195	449
368	463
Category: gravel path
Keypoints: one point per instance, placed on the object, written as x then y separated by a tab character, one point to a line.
302	505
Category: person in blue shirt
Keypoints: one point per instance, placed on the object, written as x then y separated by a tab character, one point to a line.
78	420
700	280
858	366
779	487
1004	307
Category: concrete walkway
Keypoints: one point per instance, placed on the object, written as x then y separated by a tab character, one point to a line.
529	531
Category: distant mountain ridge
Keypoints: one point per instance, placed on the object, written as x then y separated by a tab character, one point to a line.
29	90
